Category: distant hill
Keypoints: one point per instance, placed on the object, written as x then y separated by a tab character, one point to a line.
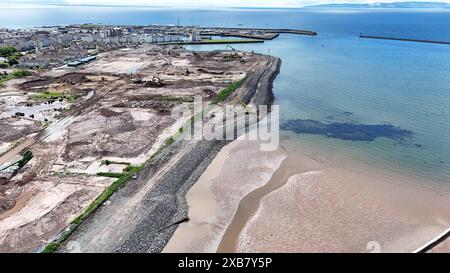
397	5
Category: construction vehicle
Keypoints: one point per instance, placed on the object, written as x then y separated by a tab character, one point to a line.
230	47
137	79
155	82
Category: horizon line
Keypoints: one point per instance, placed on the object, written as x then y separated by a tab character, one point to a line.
318	5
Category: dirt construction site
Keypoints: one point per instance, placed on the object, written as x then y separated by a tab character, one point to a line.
102	117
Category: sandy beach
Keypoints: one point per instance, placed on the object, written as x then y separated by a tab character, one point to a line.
284	201
214	199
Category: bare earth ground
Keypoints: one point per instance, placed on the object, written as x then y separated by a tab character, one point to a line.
142	215
111	110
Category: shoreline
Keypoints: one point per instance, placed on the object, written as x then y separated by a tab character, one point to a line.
211	206
324	207
250	204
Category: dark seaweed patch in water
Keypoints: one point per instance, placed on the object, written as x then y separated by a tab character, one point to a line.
346	131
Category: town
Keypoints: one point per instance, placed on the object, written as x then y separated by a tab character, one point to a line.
53	46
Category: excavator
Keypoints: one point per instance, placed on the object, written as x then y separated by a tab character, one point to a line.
230	47
155	82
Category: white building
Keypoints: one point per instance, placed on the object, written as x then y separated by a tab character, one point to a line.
87	38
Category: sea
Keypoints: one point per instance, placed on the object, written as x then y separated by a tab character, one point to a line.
385	103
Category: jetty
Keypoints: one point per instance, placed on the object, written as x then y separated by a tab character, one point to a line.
238	35
254	33
216	41
403	39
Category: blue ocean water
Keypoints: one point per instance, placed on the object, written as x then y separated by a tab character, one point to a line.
333	78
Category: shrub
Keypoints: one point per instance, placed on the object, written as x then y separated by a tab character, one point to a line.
169	141
27	156
13	61
21	73
7	51
131	169
111	175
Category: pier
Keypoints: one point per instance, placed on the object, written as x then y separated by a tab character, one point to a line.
403	39
253	33
216	42
246	35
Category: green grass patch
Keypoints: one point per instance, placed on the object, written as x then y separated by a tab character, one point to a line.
225	93
49	95
169	141
53	246
109	162
176	99
20	73
4	79
111	175
131	169
229	58
71	98
122	178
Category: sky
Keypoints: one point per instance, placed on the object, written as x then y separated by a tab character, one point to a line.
206	3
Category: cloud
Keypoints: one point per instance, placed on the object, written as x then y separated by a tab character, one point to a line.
207	3
198	3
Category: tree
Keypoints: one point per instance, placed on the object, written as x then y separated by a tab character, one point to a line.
13	61
7	51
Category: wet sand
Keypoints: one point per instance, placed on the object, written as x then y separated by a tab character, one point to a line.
250	203
309	203
215	198
328	211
